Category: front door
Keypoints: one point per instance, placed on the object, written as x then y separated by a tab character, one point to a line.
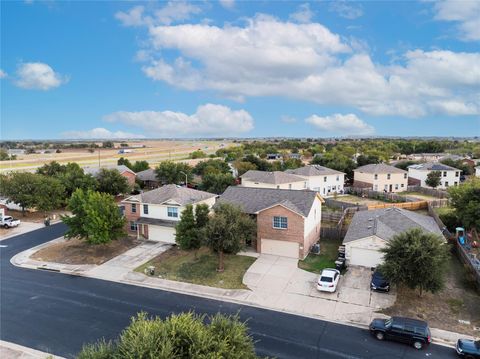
390	188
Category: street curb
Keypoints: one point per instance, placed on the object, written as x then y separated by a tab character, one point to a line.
30	352
210	296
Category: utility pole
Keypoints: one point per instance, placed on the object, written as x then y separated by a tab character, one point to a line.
186	177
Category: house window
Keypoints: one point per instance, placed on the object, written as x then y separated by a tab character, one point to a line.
402	185
446	183
323	190
280	222
145	208
444	173
289	186
334	188
457	174
172	212
304	184
376	176
455	183
386	187
375	188
134	208
324	179
338	178
388	175
133	226
405	175
396	186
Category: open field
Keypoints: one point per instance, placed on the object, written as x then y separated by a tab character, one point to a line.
153	152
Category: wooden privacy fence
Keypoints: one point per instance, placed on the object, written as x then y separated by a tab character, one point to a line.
428	191
412	206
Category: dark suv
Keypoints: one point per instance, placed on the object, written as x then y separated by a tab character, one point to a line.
468	348
411	331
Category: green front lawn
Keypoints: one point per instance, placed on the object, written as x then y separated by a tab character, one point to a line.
182	266
326	259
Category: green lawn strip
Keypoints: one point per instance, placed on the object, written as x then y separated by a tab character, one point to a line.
326	259
182	266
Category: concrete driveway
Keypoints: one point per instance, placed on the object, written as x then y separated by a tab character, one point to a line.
278	282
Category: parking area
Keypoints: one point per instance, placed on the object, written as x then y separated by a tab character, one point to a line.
279	283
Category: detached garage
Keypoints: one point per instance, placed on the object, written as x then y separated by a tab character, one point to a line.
279	248
370	231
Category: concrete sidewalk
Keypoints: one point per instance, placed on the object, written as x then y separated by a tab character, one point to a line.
14	351
289	289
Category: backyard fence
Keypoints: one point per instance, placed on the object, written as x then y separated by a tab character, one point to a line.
439	222
412	206
428	191
335	203
382	196
341	219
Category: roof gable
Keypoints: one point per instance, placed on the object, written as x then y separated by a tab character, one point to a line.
174	194
275	177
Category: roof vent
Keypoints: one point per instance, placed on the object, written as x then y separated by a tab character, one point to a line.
370	219
369	227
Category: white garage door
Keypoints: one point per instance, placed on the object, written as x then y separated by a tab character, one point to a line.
280	248
365	257
161	234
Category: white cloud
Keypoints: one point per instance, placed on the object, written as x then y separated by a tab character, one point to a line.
227	4
288	119
208	120
172	12
38	76
268	57
3	74
303	14
348	124
346	10
99	133
466	13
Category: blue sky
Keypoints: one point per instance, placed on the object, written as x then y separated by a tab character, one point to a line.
239	69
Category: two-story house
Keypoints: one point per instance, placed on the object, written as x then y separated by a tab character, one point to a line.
380	177
288	221
450	176
321	179
275	179
153	215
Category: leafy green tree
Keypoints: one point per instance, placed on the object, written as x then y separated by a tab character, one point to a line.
50	194
169	172
108	144
336	161
211	165
363	160
466	169
185	335
112	182
433	179
74	177
262	165
21	188
125	162
291	164
4	156
416	259
96	217
140	166
228	230
404	164
216	182
52	169
243	166
186	236
198	154
466	201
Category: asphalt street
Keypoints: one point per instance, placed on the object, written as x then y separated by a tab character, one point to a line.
58	313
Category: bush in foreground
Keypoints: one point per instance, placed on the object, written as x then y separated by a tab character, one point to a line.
179	336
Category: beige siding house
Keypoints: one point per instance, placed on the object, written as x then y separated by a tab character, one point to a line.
275	180
288	221
450	176
370	231
321	179
153	215
380	177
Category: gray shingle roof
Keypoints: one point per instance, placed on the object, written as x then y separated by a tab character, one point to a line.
433	166
275	177
95	170
171	192
379	168
387	222
314	170
254	200
147	175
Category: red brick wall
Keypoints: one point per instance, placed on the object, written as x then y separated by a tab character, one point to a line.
130	177
294	232
130	216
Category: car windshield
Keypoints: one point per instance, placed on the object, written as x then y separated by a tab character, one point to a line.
326	279
388	323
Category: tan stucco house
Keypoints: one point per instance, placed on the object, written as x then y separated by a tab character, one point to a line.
288	221
153	215
380	177
275	180
370	231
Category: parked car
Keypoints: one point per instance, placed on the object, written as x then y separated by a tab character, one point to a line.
9	222
379	283
467	348
405	330
328	280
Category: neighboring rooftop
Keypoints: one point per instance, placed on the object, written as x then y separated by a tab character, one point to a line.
452	157
313	170
147	175
172	192
433	166
387	222
95	170
254	200
379	168
275	177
